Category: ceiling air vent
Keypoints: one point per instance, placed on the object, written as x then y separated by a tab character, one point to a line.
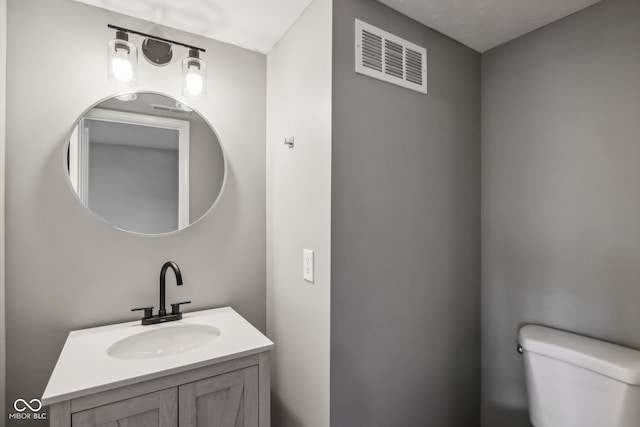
170	110
383	56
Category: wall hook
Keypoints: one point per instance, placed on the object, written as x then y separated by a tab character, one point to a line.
289	141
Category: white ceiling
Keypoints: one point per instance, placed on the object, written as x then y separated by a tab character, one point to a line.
259	24
252	24
483	24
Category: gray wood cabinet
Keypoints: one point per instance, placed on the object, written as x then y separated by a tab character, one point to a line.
229	394
228	400
157	409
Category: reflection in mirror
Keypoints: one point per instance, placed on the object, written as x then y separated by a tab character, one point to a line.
145	163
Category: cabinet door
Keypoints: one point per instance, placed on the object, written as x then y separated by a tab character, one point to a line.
227	400
159	409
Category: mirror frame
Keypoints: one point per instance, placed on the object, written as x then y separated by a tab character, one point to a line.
66	148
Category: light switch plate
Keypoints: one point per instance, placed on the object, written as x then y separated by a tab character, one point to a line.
307	265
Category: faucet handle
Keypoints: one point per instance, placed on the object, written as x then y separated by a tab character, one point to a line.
175	307
148	311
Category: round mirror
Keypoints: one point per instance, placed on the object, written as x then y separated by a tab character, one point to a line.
145	163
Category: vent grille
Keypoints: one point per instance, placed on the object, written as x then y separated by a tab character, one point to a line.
393	59
383	56
413	65
170	110
372	51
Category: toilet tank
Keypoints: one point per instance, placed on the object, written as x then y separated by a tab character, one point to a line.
575	381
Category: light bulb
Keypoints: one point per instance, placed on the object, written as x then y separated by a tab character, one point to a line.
121	68
194	75
122	60
194	83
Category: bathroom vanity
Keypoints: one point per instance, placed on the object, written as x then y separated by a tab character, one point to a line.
210	368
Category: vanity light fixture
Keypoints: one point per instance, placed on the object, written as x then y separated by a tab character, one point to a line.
194	75
127	97
123	60
184	107
157	52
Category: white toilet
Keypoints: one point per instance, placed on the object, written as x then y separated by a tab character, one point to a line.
575	381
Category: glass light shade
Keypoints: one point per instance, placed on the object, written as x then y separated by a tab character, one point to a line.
122	62
194	77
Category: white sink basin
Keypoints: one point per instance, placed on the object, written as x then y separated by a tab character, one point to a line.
163	341
109	357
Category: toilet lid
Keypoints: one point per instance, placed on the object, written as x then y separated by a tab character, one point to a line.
615	361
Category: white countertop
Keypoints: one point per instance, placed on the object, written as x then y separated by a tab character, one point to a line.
84	367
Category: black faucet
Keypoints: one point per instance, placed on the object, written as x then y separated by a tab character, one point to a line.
149	318
163	273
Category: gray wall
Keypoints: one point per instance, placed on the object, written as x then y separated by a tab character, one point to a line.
66	269
405	261
3	57
560	191
134	188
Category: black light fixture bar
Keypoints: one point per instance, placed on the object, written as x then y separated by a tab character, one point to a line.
126	30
